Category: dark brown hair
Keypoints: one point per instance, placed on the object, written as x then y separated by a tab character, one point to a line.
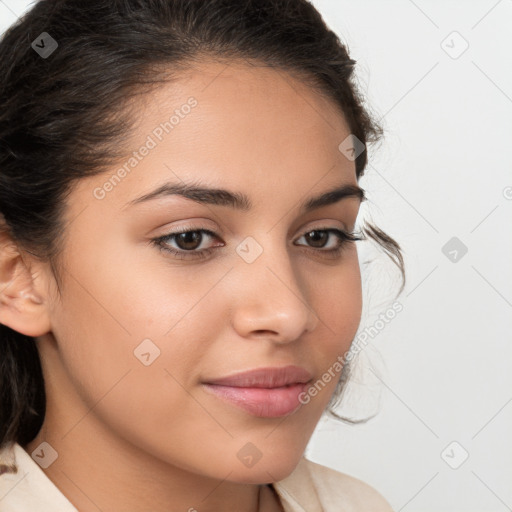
66	116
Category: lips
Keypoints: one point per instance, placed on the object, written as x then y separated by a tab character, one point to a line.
266	378
264	392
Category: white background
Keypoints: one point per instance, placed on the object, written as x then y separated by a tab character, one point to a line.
440	173
442	366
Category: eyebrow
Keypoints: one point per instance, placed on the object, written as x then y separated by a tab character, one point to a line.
239	201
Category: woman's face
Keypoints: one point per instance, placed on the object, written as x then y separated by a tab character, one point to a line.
137	330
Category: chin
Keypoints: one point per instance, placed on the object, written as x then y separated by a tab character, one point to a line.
267	470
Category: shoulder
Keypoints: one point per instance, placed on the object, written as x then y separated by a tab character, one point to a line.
24	487
313	487
335	487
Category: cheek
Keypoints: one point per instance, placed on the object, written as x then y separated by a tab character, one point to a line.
98	331
338	302
131	333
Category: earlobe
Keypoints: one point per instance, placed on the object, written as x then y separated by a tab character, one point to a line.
23	308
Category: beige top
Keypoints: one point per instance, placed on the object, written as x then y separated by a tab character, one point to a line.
311	487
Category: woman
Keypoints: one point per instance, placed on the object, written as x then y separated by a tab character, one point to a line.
179	281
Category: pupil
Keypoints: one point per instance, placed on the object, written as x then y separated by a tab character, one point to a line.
189	237
319	236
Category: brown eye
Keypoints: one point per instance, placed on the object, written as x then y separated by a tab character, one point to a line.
317	237
317	240
188	241
186	244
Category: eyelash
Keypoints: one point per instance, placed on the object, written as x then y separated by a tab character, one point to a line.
344	238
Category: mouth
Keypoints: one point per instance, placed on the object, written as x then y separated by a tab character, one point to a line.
264	392
261	402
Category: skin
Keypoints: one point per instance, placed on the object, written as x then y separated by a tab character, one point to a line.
135	437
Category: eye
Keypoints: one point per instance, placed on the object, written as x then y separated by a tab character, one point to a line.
187	242
319	236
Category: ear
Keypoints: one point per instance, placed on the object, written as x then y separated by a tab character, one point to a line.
23	305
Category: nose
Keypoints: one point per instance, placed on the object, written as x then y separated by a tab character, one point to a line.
270	298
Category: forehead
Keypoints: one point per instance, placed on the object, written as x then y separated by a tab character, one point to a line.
238	95
255	128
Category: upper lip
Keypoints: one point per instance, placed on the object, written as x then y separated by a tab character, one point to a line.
270	377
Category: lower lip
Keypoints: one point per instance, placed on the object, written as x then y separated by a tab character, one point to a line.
261	402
